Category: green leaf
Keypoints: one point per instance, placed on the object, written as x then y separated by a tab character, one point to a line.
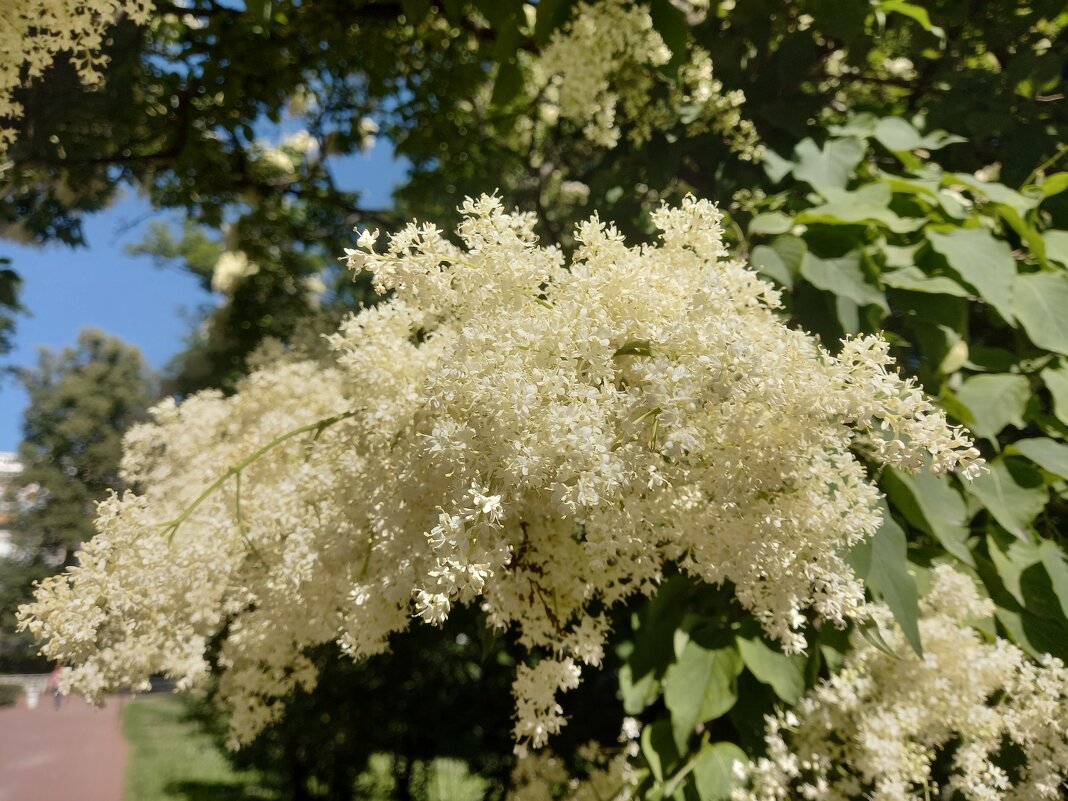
991	360
784	674
948	400
897	135
1046	453
1053	559
1054	184
775	166
658	748
1024	574
791	250
1041	302
868	204
768	261
1028	234
772	222
869	630
1014	494
656	630
700	686
930	190
713	770
1035	634
1056	380
924	187
912	11
984	262
637	695
859	125
997	193
930	504
898	256
1057	244
995	401
828	167
842	276
914	279
888	577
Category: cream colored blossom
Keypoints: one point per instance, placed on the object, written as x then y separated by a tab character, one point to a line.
603	71
507	429
876	728
34	32
231	267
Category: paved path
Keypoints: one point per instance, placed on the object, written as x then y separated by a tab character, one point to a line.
74	753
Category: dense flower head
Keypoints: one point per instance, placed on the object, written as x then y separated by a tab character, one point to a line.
34	32
877	727
509	428
604	71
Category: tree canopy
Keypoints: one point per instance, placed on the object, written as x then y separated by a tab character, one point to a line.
81	401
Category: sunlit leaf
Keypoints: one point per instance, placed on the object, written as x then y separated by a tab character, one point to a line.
1056	380
897	134
995	401
868	204
1040	303
983	262
1046	453
842	276
784	674
914	279
913	11
713	770
828	167
1014	494
930	504
883	562
700	686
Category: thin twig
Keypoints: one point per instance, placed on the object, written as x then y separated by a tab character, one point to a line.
171	526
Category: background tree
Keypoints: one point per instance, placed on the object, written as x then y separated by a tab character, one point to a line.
193	99
81	401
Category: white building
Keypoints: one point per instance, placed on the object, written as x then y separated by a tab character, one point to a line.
9	468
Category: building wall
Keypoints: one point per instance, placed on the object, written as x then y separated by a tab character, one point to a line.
9	468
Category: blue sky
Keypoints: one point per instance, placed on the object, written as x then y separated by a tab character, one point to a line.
65	290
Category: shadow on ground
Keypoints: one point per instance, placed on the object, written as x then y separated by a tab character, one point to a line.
214	791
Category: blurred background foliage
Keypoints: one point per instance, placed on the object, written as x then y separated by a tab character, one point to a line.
912	184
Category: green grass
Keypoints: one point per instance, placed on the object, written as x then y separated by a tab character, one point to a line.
9	694
172	757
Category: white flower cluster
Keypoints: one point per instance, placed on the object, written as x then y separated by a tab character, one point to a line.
994	721
506	429
601	61
604	68
231	268
33	32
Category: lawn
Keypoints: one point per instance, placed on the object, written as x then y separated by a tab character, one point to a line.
172	758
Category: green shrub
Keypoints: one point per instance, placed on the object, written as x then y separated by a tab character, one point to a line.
9	693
